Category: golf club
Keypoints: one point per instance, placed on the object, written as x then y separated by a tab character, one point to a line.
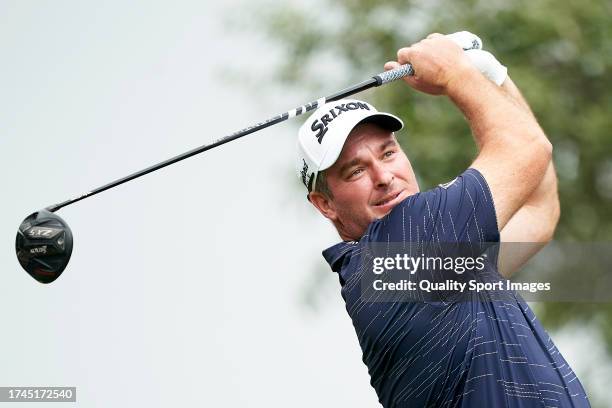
44	240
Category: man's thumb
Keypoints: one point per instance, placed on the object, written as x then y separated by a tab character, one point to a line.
391	65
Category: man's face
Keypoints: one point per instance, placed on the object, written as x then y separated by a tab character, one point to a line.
371	176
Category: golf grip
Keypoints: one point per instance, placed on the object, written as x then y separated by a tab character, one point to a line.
397	73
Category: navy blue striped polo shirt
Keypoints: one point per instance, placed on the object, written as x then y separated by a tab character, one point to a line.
451	354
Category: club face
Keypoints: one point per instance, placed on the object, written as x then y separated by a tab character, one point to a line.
44	245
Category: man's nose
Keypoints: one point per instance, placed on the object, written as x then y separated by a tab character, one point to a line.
382	177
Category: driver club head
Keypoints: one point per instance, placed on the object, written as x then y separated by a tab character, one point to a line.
44	245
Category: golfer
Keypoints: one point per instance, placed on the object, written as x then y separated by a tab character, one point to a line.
441	354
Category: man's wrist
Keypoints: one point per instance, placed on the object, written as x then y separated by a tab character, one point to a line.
459	83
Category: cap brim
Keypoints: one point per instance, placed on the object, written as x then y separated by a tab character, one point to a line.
384	120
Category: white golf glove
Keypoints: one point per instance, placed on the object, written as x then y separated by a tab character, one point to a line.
484	61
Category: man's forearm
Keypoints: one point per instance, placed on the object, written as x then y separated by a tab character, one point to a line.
495	112
534	223
536	220
513	150
515	94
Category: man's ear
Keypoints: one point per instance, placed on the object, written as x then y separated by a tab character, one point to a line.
324	204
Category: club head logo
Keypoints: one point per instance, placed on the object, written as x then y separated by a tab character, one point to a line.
42	232
39	250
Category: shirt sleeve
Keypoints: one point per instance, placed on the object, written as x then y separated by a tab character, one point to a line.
461	210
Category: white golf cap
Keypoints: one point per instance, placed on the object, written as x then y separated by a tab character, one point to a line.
322	136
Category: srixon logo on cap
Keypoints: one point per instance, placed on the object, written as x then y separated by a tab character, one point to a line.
320	125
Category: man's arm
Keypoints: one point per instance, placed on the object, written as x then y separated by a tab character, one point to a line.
535	222
513	153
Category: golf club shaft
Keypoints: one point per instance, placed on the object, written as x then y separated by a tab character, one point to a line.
377	80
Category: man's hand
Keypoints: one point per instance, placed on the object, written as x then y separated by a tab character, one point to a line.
437	61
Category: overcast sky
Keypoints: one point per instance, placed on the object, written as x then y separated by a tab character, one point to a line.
186	287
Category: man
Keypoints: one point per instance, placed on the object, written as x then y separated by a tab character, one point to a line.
480	353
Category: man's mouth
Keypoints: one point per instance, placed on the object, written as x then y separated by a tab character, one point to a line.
388	199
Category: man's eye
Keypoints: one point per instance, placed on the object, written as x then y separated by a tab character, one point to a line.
389	153
356	172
